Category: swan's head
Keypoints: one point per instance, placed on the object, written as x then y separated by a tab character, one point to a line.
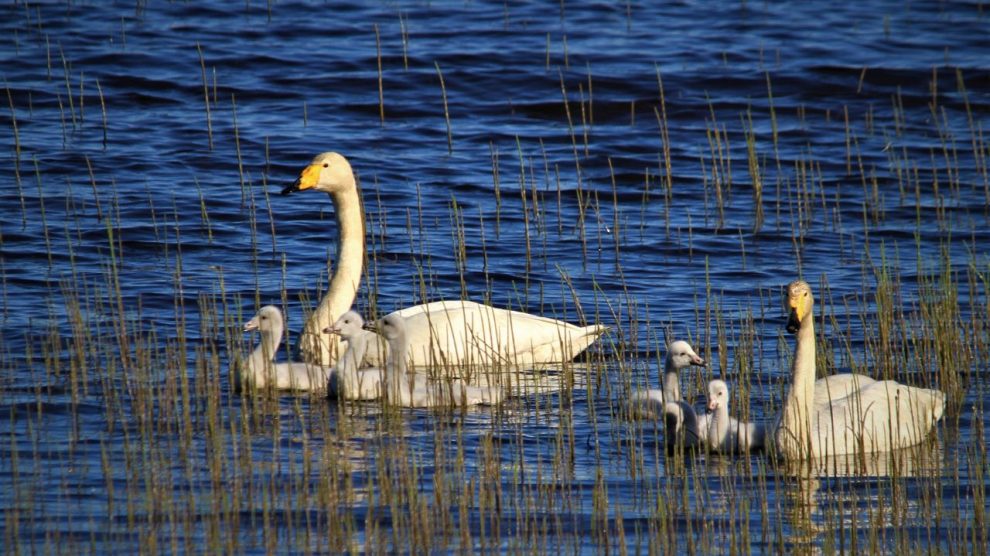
269	318
329	172
718	395
798	305
392	327
349	324
681	355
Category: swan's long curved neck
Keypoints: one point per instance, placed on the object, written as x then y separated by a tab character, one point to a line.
260	362
345	281
671	382
797	415
263	352
350	362
718	427
398	353
395	369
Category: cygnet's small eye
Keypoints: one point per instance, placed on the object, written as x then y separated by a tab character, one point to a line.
326	164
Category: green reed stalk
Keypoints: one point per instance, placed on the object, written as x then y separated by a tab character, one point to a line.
446	111
496	183
381	84
206	97
525	212
68	86
17	154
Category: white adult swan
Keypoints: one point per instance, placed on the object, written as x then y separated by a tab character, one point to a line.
722	433
650	404
417	390
261	371
442	333
347	380
856	414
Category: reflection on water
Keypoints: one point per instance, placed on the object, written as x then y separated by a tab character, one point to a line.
860	500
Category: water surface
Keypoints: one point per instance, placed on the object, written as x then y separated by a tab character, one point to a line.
141	227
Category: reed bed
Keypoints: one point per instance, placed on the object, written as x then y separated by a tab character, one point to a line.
124	430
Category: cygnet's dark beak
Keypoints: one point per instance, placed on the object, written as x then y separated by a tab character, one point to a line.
370	327
793	324
331	330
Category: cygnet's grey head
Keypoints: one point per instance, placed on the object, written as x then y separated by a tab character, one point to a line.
347	326
392	327
718	395
681	355
268	319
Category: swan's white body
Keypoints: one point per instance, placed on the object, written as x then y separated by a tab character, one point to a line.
651	403
855	414
721	433
449	333
348	381
416	390
261	371
457	333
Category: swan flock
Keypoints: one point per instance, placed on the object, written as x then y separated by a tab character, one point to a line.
837	415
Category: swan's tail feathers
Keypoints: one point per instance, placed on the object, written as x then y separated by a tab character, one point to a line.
937	404
587	336
595	330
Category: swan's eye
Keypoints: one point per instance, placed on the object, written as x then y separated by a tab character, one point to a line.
326	164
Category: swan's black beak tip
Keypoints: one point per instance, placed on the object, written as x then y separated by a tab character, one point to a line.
793	324
291	188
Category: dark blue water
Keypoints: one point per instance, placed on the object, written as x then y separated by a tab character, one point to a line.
141	226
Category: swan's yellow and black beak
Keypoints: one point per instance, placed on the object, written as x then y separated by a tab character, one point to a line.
796	310
793	322
308	179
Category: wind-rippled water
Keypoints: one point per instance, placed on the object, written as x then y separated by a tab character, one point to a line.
141	227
